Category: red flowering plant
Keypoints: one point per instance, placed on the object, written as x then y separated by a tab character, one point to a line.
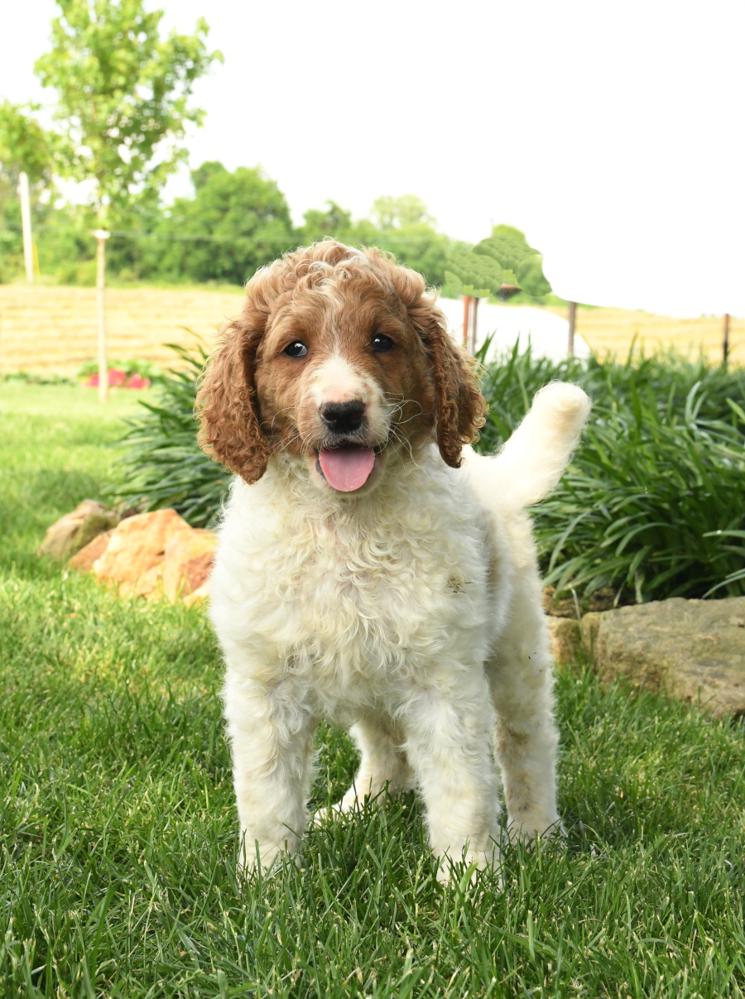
123	374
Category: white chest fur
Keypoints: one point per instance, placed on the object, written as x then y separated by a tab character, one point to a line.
357	597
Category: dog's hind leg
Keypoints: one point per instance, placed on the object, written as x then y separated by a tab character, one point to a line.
383	765
521	682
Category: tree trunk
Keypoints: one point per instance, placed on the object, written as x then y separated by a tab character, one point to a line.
28	247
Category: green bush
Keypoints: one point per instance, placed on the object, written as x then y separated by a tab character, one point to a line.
651	507
163	467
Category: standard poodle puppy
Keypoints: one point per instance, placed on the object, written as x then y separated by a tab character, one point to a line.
372	569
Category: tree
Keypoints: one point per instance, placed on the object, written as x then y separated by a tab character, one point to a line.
122	97
470	273
25	145
503	259
123	101
509	248
236	222
418	246
335	222
399	212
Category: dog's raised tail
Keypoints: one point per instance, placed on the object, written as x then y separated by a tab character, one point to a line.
532	460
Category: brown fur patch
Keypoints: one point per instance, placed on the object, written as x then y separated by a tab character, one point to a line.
255	399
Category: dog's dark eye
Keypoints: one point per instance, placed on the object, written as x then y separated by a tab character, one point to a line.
296	349
382	343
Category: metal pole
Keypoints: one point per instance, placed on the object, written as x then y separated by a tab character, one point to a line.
572	326
725	339
103	369
28	252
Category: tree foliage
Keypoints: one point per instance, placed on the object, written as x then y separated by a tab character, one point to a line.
400	212
401	225
236	222
470	273
505	258
332	222
509	248
123	97
124	105
25	145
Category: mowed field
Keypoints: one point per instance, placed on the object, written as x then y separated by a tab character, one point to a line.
613	331
53	329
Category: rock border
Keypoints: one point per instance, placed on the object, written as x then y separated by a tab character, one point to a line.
690	650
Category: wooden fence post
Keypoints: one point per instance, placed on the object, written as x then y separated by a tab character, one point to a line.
725	340
103	368
474	324
466	318
572	325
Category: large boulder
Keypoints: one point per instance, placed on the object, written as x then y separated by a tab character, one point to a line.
152	555
187	564
76	529
693	650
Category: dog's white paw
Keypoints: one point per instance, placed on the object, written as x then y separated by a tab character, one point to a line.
349	803
267	858
470	864
532	827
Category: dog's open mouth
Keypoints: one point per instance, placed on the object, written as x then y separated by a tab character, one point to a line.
348	467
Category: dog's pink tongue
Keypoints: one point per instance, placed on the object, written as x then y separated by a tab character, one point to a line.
347	468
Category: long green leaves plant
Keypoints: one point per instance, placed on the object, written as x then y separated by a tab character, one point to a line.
652	506
163	466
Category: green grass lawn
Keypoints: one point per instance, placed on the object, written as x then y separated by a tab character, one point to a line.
118	834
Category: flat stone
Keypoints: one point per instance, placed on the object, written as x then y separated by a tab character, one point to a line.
693	650
566	639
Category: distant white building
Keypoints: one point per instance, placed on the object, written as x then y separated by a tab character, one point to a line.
547	333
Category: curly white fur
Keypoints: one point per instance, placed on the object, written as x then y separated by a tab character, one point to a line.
412	614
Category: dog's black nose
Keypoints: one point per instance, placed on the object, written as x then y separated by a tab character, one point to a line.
343	417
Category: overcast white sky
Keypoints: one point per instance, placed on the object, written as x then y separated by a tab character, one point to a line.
612	133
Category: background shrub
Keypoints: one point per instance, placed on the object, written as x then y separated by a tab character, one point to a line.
163	467
652	506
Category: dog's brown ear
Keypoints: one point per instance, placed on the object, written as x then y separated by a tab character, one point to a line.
459	406
460	409
230	428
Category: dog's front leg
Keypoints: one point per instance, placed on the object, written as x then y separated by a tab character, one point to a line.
448	743
271	732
